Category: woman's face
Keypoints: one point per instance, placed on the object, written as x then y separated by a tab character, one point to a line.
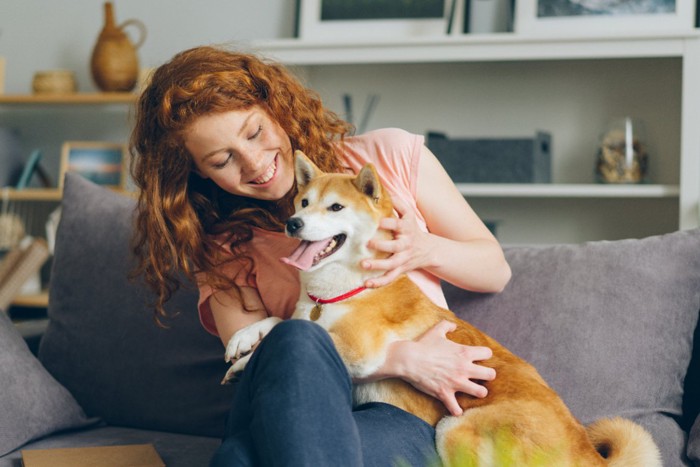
245	152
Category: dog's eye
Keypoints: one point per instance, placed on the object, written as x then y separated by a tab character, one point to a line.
336	207
304	202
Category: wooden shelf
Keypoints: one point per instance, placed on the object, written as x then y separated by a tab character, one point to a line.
564	190
31	194
97	98
39	300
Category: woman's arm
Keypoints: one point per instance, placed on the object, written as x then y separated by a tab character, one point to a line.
229	313
437	366
459	248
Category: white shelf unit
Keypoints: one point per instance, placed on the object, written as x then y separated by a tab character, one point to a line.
567	190
511	85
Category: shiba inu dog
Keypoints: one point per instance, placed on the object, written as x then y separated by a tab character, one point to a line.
522	421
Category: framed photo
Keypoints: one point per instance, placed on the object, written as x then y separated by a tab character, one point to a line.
102	163
372	19
591	17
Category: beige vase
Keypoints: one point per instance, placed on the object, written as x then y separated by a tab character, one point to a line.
114	64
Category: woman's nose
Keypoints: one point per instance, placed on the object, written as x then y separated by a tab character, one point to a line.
251	162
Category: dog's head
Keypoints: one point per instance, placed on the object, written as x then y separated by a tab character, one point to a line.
335	215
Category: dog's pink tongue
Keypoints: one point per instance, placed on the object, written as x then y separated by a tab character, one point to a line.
303	257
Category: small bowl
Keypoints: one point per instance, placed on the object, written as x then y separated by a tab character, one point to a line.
54	82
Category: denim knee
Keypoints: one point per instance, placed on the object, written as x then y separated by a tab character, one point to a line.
299	344
297	335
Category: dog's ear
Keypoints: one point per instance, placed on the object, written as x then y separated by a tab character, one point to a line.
304	169
367	181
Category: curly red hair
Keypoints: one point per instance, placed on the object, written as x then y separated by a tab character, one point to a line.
179	214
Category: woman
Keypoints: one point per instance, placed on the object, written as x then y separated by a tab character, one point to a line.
212	149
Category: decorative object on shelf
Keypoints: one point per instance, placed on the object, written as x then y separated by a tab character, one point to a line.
33	166
622	155
10	156
494	160
114	63
488	16
371	103
18	266
54	82
11	230
590	17
102	163
372	19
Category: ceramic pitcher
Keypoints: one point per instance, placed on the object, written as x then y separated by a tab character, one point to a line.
114	63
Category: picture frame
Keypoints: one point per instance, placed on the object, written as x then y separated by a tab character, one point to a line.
100	162
603	17
317	20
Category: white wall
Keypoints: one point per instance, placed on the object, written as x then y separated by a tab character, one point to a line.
46	34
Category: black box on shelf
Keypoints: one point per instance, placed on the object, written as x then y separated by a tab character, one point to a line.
494	160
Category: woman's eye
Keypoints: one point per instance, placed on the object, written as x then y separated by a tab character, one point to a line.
224	163
256	134
335	207
304	202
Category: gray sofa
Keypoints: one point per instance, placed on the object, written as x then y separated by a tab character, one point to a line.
609	324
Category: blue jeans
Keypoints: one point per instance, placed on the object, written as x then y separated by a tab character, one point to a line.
293	407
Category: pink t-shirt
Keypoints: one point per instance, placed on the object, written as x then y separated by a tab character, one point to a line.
395	154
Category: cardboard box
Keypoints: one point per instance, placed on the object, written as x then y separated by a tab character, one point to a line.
134	455
494	160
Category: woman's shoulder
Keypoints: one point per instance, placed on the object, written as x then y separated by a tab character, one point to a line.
393	152
389	136
388	145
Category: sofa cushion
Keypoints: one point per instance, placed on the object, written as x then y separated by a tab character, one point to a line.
102	342
32	402
608	324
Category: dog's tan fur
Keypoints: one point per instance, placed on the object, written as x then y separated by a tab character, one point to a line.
520	408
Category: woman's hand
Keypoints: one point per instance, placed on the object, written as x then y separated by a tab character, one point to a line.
440	367
409	246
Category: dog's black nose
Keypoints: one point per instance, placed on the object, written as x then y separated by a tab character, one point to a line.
294	224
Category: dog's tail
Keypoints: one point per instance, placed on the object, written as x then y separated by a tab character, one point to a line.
623	443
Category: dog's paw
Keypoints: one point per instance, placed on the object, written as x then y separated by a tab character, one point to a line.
244	341
235	369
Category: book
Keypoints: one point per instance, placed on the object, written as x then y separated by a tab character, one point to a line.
132	455
18	265
33	166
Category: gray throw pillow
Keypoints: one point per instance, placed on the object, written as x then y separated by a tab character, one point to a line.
608	324
102	342
32	403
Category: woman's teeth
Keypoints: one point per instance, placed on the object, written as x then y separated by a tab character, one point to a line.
267	176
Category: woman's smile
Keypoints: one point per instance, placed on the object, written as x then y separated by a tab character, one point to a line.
268	175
